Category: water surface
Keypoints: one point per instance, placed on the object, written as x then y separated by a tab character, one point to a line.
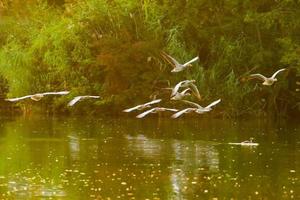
126	158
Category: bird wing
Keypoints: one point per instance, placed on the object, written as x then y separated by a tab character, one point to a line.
195	91
56	93
184	91
18	98
176	88
275	74
153	102
193	104
176	115
170	59
171	109
168	88
258	76
132	109
94	97
90	97
75	100
213	103
191	61
145	113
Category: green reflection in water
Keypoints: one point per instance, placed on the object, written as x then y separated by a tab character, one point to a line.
67	158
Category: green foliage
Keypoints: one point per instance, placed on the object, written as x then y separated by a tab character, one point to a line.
112	48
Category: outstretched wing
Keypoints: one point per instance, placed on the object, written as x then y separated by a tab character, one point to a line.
191	61
193	104
171	109
258	76
195	91
185	91
170	59
56	93
18	98
176	88
145	113
178	114
167	88
132	109
153	102
93	97
75	100
213	103
275	74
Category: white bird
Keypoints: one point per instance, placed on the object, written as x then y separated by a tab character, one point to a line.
79	98
181	95
245	143
142	106
38	96
267	81
155	110
198	109
177	66
186	83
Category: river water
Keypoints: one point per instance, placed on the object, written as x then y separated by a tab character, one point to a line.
126	158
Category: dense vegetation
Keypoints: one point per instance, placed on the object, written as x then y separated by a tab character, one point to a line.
112	48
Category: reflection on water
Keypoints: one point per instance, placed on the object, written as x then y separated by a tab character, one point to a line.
71	158
74	147
24	188
143	146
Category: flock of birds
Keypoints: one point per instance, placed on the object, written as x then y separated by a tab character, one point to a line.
39	96
189	86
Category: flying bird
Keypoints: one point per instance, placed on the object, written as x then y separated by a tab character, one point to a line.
177	66
181	95
38	96
80	98
155	110
197	108
267	81
187	83
142	106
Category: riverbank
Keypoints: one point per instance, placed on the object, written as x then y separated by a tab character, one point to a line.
100	112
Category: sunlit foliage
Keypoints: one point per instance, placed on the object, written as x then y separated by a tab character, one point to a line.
112	48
